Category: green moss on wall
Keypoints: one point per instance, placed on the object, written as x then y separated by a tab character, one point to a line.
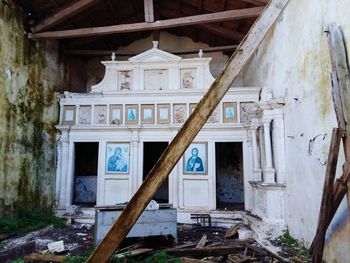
29	77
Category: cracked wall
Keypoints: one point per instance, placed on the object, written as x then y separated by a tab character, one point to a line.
30	75
293	61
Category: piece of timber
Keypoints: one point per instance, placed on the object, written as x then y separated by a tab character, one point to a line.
47	258
340	67
327	196
63	15
144	26
205	251
133	53
187	133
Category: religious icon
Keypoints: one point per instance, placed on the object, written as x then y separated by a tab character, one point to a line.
69	115
229	112
100	114
188	78
85	115
117	158
131	114
147	116
116	114
180	112
163	114
195	159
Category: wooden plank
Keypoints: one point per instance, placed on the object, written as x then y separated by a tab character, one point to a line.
149	12
206	251
82	52
187	133
47	258
63	15
202	242
340	66
327	196
144	26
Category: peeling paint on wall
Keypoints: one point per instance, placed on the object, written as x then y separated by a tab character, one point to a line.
30	74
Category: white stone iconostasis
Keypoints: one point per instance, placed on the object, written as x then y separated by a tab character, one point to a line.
109	136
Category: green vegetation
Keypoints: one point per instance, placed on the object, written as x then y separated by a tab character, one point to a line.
26	220
287	240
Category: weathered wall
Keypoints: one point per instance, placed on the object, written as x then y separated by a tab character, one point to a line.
293	61
95	70
30	73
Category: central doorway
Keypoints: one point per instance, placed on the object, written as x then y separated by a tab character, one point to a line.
151	153
229	176
85	173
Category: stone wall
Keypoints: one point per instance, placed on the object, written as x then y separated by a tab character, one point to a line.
293	61
30	74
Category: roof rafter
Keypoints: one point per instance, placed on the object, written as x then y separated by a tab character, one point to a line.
149	13
144	26
63	15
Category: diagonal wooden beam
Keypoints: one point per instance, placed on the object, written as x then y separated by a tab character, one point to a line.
149	11
188	132
63	15
144	26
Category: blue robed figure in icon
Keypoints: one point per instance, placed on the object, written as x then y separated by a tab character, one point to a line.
116	162
194	163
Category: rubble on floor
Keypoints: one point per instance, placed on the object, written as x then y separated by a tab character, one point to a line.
195	243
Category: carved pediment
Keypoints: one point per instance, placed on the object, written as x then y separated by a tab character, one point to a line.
154	54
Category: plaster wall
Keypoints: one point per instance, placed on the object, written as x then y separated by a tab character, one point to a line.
95	70
30	73
293	61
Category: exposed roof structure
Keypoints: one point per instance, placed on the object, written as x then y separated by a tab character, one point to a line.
96	24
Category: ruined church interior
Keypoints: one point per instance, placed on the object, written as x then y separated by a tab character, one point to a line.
174	131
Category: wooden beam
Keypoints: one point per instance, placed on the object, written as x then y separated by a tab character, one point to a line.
169	23
134	52
212	28
187	133
256	2
149	13
327	197
63	15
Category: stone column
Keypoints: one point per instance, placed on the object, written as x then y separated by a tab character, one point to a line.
279	149
64	152
269	171
135	160
256	162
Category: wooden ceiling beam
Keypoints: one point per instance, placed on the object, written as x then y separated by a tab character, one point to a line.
256	2
63	15
144	26
149	11
133	52
212	28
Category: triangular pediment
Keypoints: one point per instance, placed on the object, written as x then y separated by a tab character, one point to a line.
154	54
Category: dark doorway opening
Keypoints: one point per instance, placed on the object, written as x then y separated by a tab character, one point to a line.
229	175
151	153
85	173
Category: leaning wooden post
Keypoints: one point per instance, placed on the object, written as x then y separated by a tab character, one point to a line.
187	133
